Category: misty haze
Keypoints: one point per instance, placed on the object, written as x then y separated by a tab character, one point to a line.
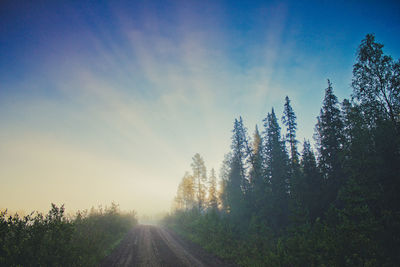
199	133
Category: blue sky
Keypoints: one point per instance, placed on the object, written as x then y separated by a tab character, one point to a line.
104	101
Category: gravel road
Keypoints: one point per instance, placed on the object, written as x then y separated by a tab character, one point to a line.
148	246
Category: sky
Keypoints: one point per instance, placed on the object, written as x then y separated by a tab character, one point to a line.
109	101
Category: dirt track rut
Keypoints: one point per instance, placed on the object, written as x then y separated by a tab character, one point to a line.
150	246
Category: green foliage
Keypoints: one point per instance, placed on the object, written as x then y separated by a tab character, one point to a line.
289	120
277	175
376	82
339	208
56	240
200	178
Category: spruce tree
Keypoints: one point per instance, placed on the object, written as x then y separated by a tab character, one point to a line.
241	152
311	183
237	185
277	174
289	120
329	137
257	183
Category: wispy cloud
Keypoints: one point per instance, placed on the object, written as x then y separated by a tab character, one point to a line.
122	112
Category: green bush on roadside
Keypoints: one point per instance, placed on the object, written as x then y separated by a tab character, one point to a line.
55	239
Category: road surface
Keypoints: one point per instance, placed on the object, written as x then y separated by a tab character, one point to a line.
149	246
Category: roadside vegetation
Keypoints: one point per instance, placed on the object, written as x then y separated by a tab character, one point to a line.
279	206
55	239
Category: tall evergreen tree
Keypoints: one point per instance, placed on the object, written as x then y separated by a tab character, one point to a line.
241	152
237	184
256	171
289	120
311	184
277	175
329	137
234	194
257	183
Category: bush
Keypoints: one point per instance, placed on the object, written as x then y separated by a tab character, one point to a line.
56	240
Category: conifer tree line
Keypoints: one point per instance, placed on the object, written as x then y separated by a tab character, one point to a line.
337	205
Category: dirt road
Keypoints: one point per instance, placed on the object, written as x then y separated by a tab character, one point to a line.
147	245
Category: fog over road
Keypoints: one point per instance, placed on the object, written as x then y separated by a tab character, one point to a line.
147	245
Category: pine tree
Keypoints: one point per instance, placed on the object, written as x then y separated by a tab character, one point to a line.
237	184
277	174
311	184
329	137
241	150
257	157
234	193
256	172
257	183
289	120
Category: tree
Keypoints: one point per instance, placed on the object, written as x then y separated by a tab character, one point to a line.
277	175
179	203
241	151
257	183
224	173
212	191
337	207
237	184
376	81
375	125
311	183
376	95
329	133
234	193
330	139
185	198
289	120
200	178
257	149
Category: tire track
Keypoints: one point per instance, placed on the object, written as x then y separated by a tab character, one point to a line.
153	246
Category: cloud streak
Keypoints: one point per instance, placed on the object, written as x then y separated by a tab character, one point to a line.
116	110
